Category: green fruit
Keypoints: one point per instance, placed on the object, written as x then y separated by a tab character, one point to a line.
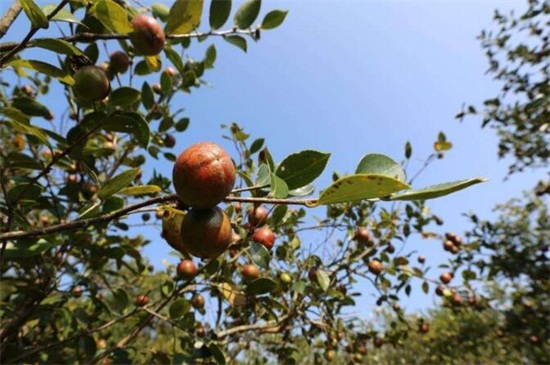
91	84
171	226
206	233
148	37
203	175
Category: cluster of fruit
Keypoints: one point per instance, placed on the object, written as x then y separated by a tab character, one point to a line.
92	83
452	243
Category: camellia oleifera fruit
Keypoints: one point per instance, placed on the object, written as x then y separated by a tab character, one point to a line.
148	37
119	62
206	233
91	84
203	175
171	225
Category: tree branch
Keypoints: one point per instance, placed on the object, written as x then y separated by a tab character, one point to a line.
92	37
252	327
7	20
25	41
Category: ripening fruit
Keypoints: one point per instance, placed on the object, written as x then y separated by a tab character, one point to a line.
448	245
446	277
250	272
377	341
203	175
421	259
148	37
286	278
257	216
206	233
169	141
145	217
424	327
197	301
91	84
439	291
362	235
375	267
330	355
141	301
119	62
264	236
77	291
186	269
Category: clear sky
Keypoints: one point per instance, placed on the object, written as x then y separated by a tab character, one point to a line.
352	77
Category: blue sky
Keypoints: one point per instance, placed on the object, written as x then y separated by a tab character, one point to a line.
353	77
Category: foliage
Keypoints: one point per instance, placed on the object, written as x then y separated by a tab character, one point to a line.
519	57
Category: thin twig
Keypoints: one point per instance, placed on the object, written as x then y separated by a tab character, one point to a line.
11	14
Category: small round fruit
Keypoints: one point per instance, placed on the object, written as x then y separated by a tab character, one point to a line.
203	175
171	226
377	342
257	216
250	272
145	217
446	277
197	301
439	291
264	236
169	141
286	278
119	62
91	84
77	291
375	267
186	269
148	37
424	328
170	71
206	233
141	301
448	245
362	235
421	259
330	355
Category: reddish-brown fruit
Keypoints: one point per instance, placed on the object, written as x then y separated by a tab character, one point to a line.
199	331
148	37
424	328
170	71
264	236
141	301
203	175
362	235
457	299
100	344
145	217
390	248
377	341
169	141
250	272
206	233
439	291
77	291
421	259
375	267
446	278
186	269
361	349
257	216
119	62
450	236
157	88
197	301
91	84
448	245
534	340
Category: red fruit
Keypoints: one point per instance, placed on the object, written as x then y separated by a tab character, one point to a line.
206	233
257	216
91	84
446	277
375	267
377	342
362	235
424	328
148	37
439	291
186	269
421	259
448	245
197	301
264	236
77	291
141	301
203	175
119	62
250	272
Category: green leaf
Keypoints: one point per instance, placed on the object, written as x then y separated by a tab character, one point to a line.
121	300
160	11
175	58
261	286
147	96
273	19
117	183
140	190
279	188
184	16
237	41
44	68
435	191
257	145
30	107
62	15
179	308
247	13
300	169
219	13
28	129
124	96
303	191
22	161
323	279
359	187
375	163
130	123
35	14
216	352
210	56
425	287
112	16
260	255
22	249
58	46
